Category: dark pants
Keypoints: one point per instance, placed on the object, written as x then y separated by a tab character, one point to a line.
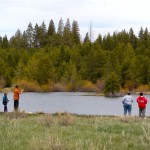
127	108
16	104
5	108
142	112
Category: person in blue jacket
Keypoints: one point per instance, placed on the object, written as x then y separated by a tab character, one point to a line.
5	101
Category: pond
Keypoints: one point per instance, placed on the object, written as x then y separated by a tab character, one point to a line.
81	103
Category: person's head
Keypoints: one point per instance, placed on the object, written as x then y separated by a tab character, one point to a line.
17	86
5	93
128	93
141	94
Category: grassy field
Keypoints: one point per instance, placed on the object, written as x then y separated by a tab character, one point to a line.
20	131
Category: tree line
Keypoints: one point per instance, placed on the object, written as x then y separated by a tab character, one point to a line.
47	58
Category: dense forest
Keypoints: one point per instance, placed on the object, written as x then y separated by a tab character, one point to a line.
43	59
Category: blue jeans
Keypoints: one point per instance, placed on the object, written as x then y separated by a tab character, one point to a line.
127	108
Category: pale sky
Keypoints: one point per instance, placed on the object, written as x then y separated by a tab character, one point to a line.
104	15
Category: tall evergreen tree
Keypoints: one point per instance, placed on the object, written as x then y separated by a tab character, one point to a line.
67	36
51	28
51	34
5	43
140	34
112	84
108	43
99	39
87	38
30	35
36	36
1	41
133	39
75	32
16	41
146	38
123	37
42	32
60	27
24	40
40	35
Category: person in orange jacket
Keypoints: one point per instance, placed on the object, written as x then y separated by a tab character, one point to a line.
17	93
142	101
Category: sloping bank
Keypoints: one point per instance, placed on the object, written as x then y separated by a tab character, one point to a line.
63	131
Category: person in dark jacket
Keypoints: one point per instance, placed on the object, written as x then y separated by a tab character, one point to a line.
5	101
142	101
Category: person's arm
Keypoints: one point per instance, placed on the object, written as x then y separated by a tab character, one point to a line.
123	100
145	101
131	99
21	91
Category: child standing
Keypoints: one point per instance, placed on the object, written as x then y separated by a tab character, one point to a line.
5	101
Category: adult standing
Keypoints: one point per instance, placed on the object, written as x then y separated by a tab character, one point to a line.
17	93
127	104
142	101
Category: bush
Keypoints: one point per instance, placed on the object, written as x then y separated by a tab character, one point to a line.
100	85
88	86
29	86
58	87
143	88
66	119
46	120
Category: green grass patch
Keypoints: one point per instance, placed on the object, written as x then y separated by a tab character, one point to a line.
70	132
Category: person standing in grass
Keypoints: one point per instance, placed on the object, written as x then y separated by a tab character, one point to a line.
127	104
17	93
142	101
5	101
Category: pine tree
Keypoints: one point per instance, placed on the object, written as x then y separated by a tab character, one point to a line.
1	42
133	39
16	41
112	84
87	38
140	34
39	35
36	36
24	40
5	43
30	35
99	40
60	27
75	32
43	32
67	36
146	38
51	28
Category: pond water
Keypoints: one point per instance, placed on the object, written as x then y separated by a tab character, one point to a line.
82	103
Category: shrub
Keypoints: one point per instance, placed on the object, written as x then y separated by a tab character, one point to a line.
143	88
29	86
100	85
58	87
66	119
46	120
88	86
